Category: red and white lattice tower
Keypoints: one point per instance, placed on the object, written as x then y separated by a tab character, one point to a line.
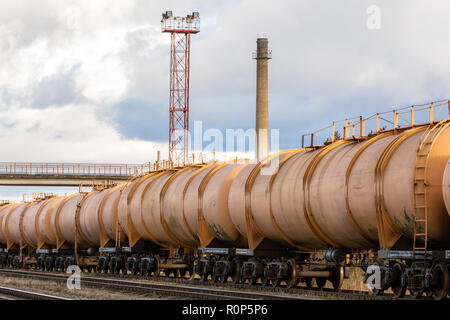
180	29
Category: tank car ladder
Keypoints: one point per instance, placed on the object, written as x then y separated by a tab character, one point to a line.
420	185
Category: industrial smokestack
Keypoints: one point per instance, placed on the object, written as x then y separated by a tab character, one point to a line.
262	103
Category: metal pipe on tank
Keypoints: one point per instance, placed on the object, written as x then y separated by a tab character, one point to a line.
262	102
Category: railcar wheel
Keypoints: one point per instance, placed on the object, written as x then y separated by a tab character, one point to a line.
265	278
16	262
415	294
236	277
292	281
40	264
338	277
321	282
277	274
112	265
377	292
242	274
215	277
157	269
204	277
49	264
190	271
204	272
440	282
228	270
224	278
117	270
308	282
183	273
397	287
252	280
144	272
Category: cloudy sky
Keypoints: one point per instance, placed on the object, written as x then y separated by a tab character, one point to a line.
89	80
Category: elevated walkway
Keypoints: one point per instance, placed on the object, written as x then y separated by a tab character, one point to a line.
66	174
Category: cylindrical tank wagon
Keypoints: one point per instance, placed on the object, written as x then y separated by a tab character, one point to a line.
153	246
55	232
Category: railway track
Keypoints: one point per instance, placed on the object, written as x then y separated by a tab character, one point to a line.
196	289
7	293
165	289
324	293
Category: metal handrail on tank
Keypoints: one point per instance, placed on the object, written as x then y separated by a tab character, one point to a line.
400	119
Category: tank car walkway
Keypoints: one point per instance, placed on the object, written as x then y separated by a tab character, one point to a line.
66	174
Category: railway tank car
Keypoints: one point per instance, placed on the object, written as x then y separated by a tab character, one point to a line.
379	202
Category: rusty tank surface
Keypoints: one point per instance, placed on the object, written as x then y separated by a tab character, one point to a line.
151	208
136	216
213	204
88	217
45	222
65	221
349	194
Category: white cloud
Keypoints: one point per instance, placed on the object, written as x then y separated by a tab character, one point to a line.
69	133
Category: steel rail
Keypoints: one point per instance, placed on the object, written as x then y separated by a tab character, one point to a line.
193	288
27	295
159	288
328	293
